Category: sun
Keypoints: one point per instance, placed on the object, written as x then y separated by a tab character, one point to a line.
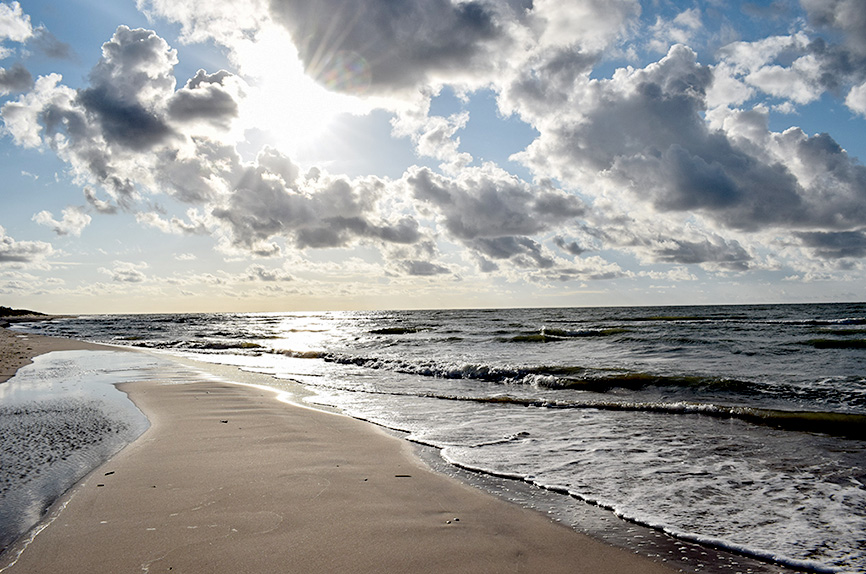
294	109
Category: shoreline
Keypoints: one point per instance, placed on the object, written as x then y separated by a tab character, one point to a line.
18	349
229	478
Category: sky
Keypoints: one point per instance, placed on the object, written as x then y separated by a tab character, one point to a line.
287	155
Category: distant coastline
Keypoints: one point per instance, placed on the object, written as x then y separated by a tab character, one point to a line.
8	315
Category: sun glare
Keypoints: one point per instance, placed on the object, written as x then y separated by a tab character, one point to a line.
284	101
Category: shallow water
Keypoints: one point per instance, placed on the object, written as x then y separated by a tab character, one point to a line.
59	418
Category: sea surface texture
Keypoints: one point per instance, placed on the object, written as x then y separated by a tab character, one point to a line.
742	427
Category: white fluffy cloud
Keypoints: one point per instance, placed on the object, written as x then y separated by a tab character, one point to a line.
73	222
12	251
856	99
14	26
126	272
678	30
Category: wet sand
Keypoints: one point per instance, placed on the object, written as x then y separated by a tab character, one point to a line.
16	349
228	479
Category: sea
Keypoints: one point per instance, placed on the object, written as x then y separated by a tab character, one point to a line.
734	435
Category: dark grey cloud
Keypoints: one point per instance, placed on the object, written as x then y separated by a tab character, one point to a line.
48	44
570	247
549	78
100	205
566	274
522	252
388	44
129	88
484	205
340	231
848	17
204	98
15	79
420	268
726	254
127	124
835	245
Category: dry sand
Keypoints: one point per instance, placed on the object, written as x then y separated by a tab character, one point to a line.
228	479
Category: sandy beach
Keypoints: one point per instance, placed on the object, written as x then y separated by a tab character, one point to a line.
229	479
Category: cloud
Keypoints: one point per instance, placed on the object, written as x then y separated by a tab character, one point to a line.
101	206
73	222
835	245
679	30
130	87
588	25
572	247
130	130
14	79
49	45
422	268
656	161
51	115
433	136
266	274
12	251
14	25
131	133
846	16
126	272
315	211
802	66
196	224
645	131
856	99
592	268
484	202
726	254
494	213
202	20
209	98
385	46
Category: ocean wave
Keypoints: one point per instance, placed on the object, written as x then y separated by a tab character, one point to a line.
202	346
836	343
840	332
837	424
546	335
394	331
549	376
297	354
